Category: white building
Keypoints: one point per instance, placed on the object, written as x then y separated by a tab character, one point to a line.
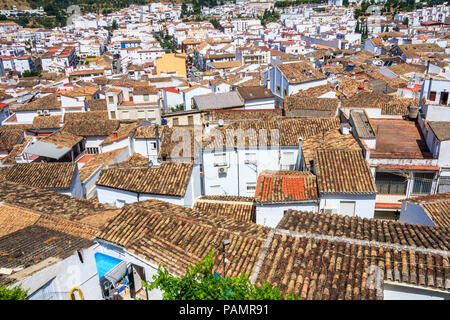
290	78
119	186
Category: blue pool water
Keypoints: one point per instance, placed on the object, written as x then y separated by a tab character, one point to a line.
105	263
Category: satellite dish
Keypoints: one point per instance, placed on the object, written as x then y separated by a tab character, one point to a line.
220	122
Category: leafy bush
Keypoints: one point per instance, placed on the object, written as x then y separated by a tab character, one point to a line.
201	283
16	293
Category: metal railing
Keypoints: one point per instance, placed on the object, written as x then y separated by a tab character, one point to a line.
391	187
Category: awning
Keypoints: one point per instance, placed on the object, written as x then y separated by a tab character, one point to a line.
116	274
45	149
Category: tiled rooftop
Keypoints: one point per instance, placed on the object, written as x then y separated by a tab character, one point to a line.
286	186
166	179
343	171
238	208
56	175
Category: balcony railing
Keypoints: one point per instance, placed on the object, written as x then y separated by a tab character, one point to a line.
422	186
391	187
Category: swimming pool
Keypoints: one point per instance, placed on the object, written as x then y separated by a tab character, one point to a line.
105	263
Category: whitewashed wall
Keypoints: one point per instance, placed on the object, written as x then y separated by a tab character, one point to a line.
405	292
67	274
269	215
364	205
239	174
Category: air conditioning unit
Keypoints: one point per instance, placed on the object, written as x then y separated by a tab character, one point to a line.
222	170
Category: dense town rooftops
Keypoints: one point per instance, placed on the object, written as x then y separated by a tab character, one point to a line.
177	236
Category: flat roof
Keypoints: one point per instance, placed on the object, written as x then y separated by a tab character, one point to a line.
398	139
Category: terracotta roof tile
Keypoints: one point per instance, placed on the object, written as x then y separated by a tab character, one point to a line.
177	236
286	186
289	129
50	202
332	139
238	208
166	179
343	171
54	175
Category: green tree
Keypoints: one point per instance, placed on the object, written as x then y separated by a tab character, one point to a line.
16	293
406	21
183	9
200	283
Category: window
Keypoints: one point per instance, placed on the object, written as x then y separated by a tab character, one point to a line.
285	92
113	114
220	159
288	161
444	184
190	120
153	145
347	208
251	187
92	150
444	98
389	183
111	99
432	96
146	97
422	183
175	121
278	88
